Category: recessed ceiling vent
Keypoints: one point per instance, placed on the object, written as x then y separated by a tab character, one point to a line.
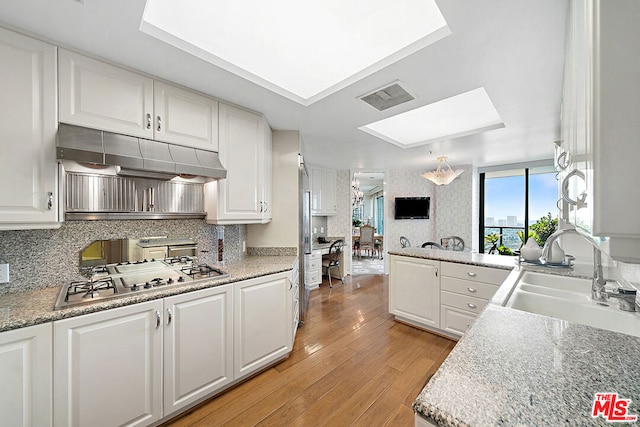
388	97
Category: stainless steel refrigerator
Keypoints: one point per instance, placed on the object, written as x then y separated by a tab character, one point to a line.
305	235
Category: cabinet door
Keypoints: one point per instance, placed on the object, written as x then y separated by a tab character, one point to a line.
25	369
329	192
184	117
262	323
98	95
315	175
108	367
414	290
28	124
198	345
237	199
267	175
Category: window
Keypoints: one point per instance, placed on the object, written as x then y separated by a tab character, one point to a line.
511	200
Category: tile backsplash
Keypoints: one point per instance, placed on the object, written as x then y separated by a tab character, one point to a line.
46	258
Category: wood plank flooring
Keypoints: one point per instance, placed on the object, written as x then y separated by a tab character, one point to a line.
351	364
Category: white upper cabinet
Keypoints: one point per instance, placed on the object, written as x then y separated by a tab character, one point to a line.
98	95
323	191
101	96
28	125
600	126
245	151
184	117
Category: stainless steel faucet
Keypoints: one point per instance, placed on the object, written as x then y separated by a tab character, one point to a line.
598	282
626	295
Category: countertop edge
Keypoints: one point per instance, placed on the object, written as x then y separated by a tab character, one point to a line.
37	305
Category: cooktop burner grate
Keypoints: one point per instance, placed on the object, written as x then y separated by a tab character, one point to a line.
91	288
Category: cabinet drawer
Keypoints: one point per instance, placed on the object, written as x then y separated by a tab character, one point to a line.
463	302
456	321
313	264
474	273
313	277
468	287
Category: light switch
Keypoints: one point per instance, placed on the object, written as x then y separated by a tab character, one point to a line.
321	229
4	272
315	230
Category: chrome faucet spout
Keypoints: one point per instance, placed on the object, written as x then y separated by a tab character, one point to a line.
598	282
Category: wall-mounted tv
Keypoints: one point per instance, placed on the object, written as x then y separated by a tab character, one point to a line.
412	207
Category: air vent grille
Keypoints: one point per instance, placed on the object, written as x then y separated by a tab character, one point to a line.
387	97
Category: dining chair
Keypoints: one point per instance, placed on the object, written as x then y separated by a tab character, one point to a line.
366	238
404	242
432	245
332	260
452	243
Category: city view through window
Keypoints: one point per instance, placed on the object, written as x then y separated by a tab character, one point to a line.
504	203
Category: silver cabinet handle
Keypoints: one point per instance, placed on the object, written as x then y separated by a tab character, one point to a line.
159	124
169	316
158	321
472	290
471	274
148	121
471	305
49	200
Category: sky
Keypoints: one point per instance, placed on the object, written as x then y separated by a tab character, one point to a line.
505	196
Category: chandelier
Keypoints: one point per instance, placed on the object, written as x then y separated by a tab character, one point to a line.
442	176
357	196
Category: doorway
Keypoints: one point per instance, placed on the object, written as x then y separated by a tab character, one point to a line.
367	209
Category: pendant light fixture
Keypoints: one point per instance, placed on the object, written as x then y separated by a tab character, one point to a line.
357	196
442	176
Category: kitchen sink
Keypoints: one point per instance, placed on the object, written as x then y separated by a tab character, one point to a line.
569	298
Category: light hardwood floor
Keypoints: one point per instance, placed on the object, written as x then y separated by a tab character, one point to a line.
351	364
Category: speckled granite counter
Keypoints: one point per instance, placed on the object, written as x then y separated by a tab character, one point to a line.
518	368
32	307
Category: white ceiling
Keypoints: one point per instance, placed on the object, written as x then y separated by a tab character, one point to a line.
514	49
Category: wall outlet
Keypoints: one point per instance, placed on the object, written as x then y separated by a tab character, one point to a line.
244	246
315	230
4	272
321	229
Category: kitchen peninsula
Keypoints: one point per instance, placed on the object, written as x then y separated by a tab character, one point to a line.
513	367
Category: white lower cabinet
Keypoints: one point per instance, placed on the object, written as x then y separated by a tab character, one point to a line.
313	269
108	367
138	364
25	376
414	290
198	345
262	327
445	297
465	290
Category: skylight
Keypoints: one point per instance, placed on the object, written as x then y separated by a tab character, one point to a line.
465	114
303	50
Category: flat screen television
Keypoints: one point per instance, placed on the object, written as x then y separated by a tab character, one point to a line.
412	207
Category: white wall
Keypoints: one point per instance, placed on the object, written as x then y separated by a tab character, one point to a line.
340	224
408	183
282	231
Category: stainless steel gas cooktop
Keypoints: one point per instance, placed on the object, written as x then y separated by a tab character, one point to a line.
124	279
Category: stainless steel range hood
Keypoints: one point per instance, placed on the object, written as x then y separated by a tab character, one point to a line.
136	156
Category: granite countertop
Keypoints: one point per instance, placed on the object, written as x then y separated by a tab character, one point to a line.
483	260
519	368
318	246
33	307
